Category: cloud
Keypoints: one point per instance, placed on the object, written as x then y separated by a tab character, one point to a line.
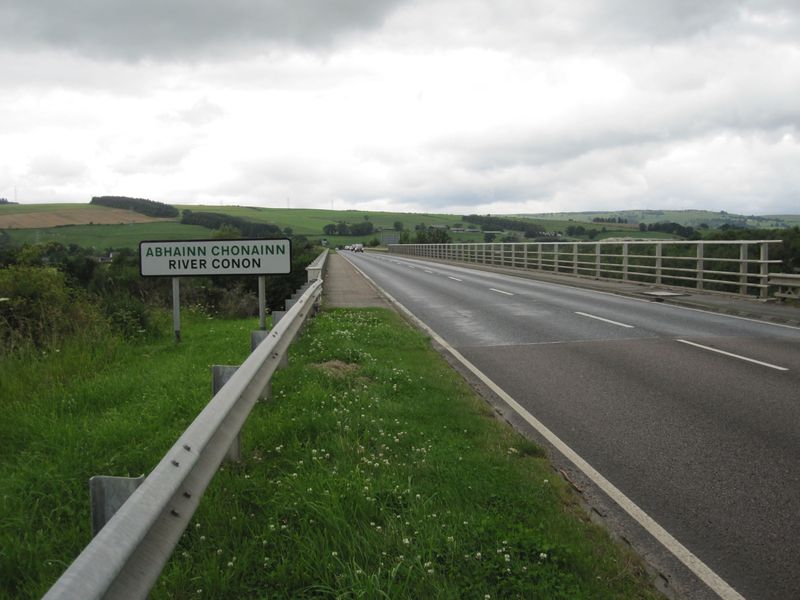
182	29
50	169
200	113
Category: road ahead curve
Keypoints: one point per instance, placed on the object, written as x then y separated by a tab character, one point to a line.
694	416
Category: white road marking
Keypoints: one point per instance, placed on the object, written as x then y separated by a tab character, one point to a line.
454	278
501	292
752	360
722	588
426	270
583	314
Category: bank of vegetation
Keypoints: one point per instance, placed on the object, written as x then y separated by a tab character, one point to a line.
50	292
373	472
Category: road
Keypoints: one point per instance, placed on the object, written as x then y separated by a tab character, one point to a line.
694	416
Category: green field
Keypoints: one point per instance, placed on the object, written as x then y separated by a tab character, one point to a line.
310	222
102	237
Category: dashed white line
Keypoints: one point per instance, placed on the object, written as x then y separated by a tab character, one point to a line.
617	323
501	292
427	271
454	278
752	360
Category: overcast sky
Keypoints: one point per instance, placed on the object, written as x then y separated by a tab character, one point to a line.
458	106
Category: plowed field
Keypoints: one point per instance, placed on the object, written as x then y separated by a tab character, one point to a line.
70	215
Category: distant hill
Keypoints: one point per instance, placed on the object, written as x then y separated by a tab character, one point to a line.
691	218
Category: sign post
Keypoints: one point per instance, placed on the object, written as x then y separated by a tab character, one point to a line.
262	301
195	258
176	308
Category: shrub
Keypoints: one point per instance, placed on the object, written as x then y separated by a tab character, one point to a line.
38	308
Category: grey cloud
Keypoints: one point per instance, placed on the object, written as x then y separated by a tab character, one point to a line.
181	29
54	169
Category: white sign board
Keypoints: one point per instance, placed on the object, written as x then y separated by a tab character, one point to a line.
184	258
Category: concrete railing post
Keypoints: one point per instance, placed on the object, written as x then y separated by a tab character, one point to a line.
743	255
659	261
699	266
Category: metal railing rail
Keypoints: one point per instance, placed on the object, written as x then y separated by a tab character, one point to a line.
698	264
317	268
128	554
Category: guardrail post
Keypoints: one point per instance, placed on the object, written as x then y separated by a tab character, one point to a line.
764	270
107	494
220	374
699	265
256	337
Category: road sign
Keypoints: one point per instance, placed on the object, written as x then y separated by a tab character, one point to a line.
186	258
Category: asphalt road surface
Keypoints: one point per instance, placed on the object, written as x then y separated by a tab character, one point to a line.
694	416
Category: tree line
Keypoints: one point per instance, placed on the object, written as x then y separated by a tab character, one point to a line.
151	208
342	228
248	229
530	230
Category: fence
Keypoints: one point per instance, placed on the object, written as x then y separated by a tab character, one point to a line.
735	266
128	554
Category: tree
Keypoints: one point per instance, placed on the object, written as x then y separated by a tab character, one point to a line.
364	228
342	228
227	232
398	226
330	229
288	231
489	237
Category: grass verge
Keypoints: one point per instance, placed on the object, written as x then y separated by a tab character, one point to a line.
374	472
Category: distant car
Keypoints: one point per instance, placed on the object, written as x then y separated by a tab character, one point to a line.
358	247
348	247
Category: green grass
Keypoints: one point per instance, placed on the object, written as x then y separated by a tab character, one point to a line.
95	407
110	236
12	209
373	472
308	221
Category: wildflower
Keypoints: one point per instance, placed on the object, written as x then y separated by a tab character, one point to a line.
542	556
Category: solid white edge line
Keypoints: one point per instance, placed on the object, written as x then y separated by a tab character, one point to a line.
583	314
454	278
752	360
683	554
501	292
